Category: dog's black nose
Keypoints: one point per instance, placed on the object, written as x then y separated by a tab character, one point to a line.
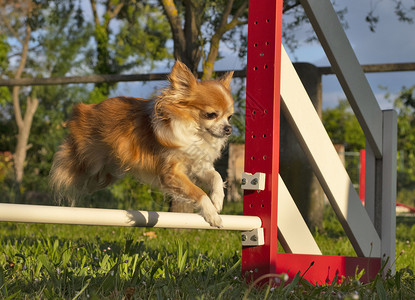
227	129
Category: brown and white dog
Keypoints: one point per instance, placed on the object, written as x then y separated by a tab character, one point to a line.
170	142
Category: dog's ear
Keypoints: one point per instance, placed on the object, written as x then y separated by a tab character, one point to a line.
181	78
226	79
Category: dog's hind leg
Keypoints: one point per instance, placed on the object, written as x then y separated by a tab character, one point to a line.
100	178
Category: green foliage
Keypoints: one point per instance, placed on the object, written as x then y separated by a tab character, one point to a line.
98	93
405	105
6	165
4	62
139	39
4	96
142	37
405	195
343	127
4	50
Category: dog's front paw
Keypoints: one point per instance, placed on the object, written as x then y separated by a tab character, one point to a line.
217	197
214	220
209	213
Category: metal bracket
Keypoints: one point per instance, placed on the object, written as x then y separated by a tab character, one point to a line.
253	182
253	238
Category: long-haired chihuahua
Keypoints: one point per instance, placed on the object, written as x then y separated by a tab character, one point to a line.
170	142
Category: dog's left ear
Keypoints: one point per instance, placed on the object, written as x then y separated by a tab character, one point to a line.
226	79
181	78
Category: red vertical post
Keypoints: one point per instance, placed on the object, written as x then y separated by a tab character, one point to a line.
262	129
362	175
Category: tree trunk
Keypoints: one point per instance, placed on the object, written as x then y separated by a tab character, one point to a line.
295	168
102	31
23	138
23	123
223	27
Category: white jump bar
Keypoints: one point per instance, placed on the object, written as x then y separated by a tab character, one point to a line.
115	217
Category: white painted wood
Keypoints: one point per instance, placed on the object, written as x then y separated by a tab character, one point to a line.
116	217
253	181
370	182
293	233
314	140
388	219
253	237
347	68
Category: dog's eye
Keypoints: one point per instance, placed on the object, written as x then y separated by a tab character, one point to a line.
211	115
230	117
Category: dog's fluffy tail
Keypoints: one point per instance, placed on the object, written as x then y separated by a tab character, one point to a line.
64	175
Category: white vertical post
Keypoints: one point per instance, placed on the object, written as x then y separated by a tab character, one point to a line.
370	182
388	204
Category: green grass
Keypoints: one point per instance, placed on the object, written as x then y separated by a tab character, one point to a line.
39	261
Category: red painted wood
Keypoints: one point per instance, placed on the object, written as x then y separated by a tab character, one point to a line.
410	208
262	128
362	175
323	268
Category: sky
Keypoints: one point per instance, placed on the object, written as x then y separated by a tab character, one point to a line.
393	42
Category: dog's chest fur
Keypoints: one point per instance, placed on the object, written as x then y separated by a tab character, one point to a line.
200	155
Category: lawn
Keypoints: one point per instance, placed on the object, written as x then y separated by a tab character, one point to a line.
40	261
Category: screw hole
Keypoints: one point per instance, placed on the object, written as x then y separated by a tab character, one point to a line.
255	68
253	136
264	135
253	112
266	67
264	157
267	43
251	205
253	157
267	20
262	205
255	45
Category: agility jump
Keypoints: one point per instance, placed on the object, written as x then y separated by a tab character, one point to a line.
270	77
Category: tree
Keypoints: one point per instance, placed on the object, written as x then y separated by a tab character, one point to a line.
28	23
52	38
405	105
21	29
404	11
198	27
188	19
137	36
343	128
